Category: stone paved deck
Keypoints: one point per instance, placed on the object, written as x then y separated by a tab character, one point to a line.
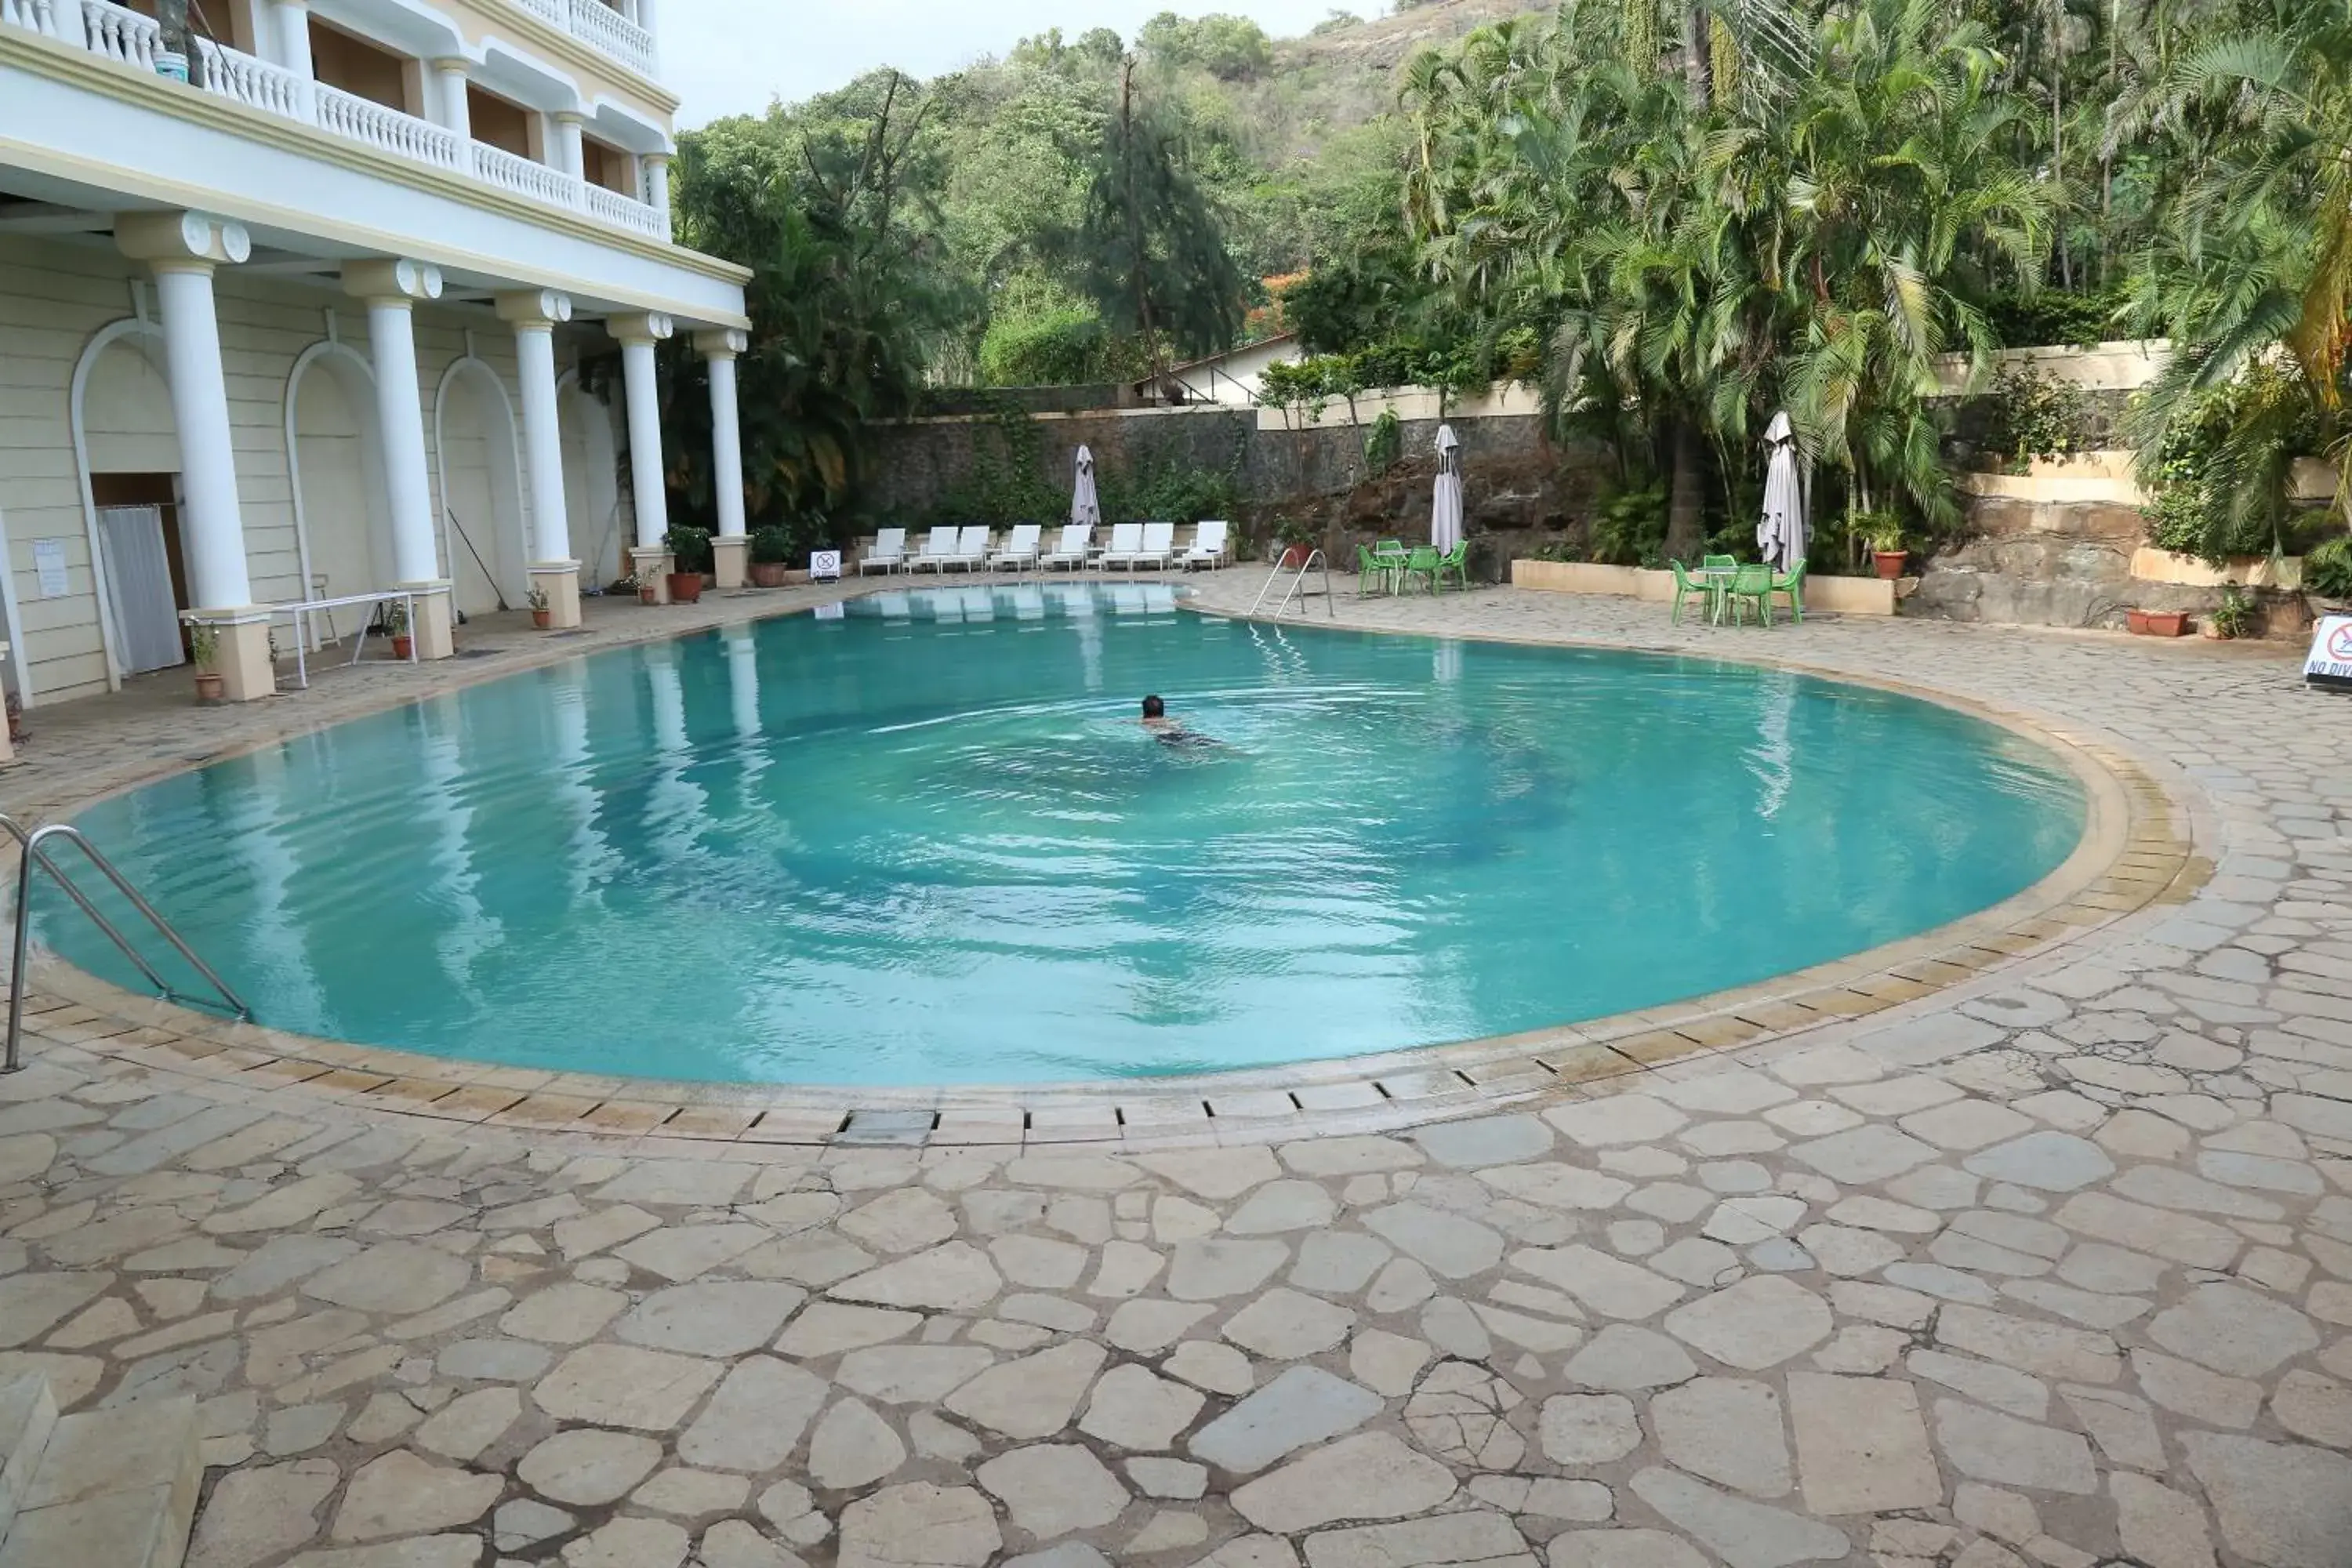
2051	1267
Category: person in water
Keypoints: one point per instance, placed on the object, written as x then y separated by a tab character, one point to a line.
1167	731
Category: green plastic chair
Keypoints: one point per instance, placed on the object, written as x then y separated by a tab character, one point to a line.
1457	561
1719	563
1750	584
1421	560
1685	588
1373	570
1792	586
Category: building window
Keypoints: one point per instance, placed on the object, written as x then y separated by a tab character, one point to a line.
345	61
606	166
499	124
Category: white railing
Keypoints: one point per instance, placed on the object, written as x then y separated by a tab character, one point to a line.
129	38
553	10
388	130
41	15
500	167
626	211
595	23
121	33
238	77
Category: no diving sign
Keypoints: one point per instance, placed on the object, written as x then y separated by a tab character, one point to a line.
2330	663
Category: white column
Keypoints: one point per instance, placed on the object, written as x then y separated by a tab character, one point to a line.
184	248
456	110
569	157
391	289
646	19
534	315
719	350
654	167
637	336
293	26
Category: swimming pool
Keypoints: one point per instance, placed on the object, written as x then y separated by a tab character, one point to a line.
925	840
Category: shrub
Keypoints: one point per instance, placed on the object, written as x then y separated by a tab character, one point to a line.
1629	528
689	547
2327	569
2036	416
772	544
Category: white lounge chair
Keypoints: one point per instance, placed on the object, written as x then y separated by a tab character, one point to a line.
1126	540
971	550
1208	546
1020	551
1159	545
888	553
1076	537
938	547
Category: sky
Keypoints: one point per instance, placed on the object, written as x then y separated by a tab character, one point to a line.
731	57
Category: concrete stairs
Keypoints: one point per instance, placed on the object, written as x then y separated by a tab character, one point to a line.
102	1489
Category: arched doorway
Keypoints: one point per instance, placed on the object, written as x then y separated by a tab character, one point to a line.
591	486
335	452
480	490
127	458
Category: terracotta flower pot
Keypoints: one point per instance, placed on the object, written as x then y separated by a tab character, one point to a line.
2167	623
649	594
403	645
685	587
543	619
209	686
2136	622
1890	562
1293	556
768	574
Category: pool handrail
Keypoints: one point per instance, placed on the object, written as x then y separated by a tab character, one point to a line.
32	854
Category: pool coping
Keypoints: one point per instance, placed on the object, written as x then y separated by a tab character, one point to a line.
2136	850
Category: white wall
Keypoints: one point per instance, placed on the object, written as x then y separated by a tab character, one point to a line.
56	295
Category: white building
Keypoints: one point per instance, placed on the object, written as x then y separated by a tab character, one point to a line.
306	325
1231	379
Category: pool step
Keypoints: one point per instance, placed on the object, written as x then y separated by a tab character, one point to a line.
103	1488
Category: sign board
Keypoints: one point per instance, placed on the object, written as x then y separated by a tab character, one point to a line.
49	564
832	612
2330	663
824	566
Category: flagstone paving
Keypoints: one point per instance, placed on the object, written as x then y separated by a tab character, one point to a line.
2070	1285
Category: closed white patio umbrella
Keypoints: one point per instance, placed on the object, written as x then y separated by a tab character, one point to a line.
1084	506
1781	534
1446	511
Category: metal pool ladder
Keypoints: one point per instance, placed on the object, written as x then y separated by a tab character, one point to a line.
34	855
1297	590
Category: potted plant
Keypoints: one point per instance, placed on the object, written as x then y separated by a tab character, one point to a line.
2157	623
395	621
771	548
1883	531
1297	539
690	558
2234	617
541	616
204	647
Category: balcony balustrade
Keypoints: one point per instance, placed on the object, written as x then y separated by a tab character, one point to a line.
133	39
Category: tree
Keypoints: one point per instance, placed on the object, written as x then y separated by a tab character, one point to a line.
841	298
1149	247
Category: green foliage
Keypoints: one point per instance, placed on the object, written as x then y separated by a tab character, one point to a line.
2036	416
1629	528
1232	48
1148	246
2220	484
689	548
1881	530
1301	388
1007	483
1166	489
772	545
2327	568
2051	318
844	295
1384	442
2235	616
1059	345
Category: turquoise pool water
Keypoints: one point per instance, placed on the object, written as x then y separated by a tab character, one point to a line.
927	842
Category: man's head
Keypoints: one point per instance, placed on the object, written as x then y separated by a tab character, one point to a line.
1154	709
